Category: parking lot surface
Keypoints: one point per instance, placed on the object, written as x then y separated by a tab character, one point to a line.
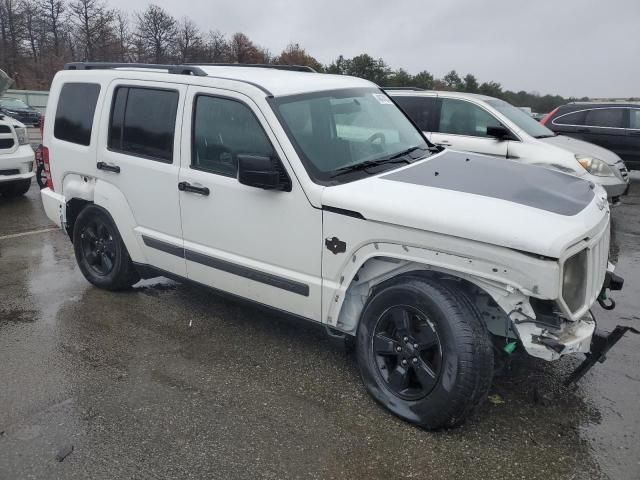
172	381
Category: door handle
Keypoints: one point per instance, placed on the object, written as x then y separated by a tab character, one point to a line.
635	134
108	167
187	187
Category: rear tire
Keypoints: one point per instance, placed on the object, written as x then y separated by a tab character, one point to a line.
15	189
100	251
424	352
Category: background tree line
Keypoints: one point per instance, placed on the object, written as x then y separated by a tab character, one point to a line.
37	37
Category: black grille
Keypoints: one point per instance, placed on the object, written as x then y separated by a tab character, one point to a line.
10	172
5	129
6	143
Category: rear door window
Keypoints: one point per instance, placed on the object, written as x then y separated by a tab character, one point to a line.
459	117
570	119
605	117
420	109
143	122
74	114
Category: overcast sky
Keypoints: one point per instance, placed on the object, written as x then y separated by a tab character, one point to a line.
570	47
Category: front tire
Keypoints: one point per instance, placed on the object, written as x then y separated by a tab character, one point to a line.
100	251
424	351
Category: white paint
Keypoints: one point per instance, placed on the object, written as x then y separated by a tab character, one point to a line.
408	227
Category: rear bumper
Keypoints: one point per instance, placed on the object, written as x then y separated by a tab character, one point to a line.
54	206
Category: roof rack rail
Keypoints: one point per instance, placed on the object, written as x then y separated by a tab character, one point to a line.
414	89
174	69
293	68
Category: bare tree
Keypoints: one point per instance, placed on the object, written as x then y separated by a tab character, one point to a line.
94	27
53	13
188	41
123	36
243	50
156	32
294	54
218	50
11	31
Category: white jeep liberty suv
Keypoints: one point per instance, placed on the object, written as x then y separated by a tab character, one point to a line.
315	195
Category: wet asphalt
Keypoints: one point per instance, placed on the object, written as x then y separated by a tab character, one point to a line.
172	381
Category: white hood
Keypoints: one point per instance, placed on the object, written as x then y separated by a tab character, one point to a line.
576	146
481	198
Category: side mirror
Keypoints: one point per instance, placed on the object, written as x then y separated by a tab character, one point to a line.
499	133
261	172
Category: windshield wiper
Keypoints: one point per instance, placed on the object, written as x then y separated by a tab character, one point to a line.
400	157
367	164
546	136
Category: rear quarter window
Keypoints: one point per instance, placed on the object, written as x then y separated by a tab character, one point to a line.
74	114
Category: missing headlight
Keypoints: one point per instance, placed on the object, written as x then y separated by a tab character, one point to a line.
574	281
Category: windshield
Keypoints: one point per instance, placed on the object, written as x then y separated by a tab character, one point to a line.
12	103
522	119
337	131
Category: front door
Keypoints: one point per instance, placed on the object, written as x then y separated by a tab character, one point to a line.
139	154
463	126
264	245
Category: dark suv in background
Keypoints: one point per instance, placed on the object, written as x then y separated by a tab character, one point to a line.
16	108
615	126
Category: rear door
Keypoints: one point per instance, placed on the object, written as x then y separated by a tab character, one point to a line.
631	152
139	153
606	127
264	245
462	125
421	109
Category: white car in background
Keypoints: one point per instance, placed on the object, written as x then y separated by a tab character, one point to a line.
16	155
16	158
487	125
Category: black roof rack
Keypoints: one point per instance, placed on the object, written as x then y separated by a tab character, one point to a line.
414	89
292	68
174	69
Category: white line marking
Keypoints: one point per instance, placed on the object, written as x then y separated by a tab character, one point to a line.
25	234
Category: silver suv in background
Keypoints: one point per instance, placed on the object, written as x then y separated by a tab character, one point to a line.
482	124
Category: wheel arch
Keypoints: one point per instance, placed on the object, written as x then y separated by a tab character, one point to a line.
82	191
376	265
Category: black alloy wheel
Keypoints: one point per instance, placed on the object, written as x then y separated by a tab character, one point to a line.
98	246
407	351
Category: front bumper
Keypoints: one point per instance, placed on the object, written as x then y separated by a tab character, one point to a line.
614	186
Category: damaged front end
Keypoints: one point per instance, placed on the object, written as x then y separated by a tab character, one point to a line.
547	334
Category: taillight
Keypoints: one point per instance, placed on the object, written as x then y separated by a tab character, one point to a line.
548	116
47	168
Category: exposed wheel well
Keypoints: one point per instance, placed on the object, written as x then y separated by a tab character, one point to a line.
74	207
377	272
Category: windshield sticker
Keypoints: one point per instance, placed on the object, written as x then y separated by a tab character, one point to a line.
383	99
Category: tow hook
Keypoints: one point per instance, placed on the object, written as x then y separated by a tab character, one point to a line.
601	343
611	282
